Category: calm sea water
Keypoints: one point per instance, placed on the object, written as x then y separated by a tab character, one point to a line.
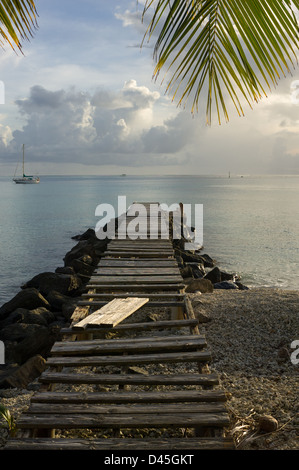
251	224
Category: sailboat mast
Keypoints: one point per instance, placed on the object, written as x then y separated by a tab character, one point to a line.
23	159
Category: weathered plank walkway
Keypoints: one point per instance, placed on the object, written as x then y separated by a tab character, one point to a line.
118	372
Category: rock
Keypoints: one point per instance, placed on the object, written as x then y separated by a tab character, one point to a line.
65	270
214	275
267	423
198	270
40	341
204	259
227	276
89	234
201	285
67	284
186	272
202	317
85	247
225	285
82	267
27	298
21	376
18	331
137	370
241	286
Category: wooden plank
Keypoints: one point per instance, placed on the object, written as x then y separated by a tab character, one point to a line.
112	313
120	396
138	345
152	303
81	311
113	262
136	279
128	408
78	361
121	444
174	295
140	326
129	254
205	380
136	287
145	420
140	271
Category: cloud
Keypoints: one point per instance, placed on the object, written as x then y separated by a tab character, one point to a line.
89	128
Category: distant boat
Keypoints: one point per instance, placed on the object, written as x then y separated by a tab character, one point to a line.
26	179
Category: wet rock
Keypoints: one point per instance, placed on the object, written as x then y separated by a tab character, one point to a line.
28	298
225	285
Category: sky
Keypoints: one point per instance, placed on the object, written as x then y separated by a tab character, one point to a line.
83	101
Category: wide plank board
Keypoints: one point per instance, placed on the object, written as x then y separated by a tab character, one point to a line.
121	396
142	420
129	408
141	271
135	278
82	361
112	313
205	380
113	262
139	345
207	443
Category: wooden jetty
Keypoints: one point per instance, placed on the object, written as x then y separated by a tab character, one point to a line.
117	371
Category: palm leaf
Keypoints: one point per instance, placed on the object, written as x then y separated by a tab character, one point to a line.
17	22
223	49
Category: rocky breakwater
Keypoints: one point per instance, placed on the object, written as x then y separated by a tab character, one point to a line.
198	269
30	322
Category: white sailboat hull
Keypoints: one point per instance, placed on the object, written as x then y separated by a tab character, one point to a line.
26	180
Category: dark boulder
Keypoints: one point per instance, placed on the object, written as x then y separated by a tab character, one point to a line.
62	303
67	284
38	341
28	298
88	235
38	316
214	275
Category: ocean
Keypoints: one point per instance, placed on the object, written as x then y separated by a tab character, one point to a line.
250	223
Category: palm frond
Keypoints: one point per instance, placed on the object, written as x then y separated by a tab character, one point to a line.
18	21
223	48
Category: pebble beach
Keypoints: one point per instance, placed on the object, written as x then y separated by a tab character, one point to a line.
250	334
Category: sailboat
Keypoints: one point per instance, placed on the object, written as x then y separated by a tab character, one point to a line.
26	179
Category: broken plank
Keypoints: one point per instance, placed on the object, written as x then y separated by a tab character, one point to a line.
112	313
